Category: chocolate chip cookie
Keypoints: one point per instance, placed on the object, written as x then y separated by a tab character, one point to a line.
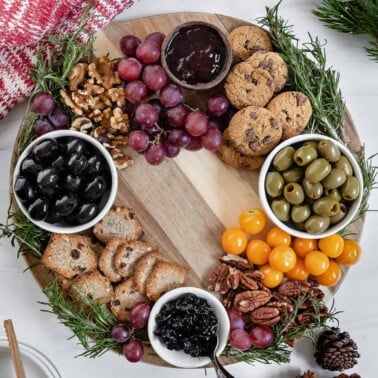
247	86
293	110
254	131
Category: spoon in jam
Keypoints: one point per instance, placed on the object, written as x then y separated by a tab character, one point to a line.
220	371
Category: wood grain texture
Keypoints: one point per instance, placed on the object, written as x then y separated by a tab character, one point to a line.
185	203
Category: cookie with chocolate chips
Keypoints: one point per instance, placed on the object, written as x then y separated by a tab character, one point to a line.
254	131
293	110
247	86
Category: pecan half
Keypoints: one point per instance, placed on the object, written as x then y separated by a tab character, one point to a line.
294	289
236	262
219	275
265	316
249	300
248	283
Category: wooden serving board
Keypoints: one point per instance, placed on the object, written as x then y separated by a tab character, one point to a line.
185	203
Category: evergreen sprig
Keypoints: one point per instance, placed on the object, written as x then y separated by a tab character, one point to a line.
354	17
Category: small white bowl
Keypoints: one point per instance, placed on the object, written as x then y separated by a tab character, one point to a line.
179	358
57	227
264	199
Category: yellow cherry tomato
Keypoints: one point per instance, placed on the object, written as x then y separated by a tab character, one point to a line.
316	262
234	240
252	221
331	276
332	245
276	237
272	277
282	258
258	252
299	272
303	246
351	253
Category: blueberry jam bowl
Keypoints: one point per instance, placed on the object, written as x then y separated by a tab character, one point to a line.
196	55
65	181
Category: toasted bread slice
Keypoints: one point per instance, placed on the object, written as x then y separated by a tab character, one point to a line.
65	283
120	222
106	260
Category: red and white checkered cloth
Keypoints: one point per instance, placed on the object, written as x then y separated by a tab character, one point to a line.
23	23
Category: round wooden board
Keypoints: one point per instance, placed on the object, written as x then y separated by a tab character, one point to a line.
185	203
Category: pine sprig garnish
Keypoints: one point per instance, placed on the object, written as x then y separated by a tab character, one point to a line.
353	17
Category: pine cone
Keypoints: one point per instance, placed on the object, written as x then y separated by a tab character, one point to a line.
336	351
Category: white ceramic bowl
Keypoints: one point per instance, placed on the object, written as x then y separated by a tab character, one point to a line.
179	358
61	228
353	209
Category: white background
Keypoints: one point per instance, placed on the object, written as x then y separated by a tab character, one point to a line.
357	298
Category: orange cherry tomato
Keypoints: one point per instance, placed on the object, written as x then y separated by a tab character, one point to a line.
303	246
332	245
258	252
234	241
282	258
331	276
351	253
272	277
299	272
276	237
252	221
316	262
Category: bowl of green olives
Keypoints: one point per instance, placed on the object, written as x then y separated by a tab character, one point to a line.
65	181
311	186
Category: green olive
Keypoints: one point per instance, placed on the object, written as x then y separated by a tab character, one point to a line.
350	189
300	226
305	155
313	191
294	174
340	215
274	184
293	193
281	209
317	224
329	150
284	159
344	164
317	170
326	206
312	143
299	213
335	179
333	193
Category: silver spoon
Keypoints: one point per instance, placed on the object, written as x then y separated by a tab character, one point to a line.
211	353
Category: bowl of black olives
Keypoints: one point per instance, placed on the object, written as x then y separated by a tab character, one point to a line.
186	324
311	186
65	181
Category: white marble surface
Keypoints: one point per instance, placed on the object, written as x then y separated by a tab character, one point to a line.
19	293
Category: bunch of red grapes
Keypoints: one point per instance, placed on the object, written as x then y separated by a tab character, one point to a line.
123	333
161	123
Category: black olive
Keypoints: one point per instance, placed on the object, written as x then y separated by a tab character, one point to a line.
77	163
95	188
59	163
24	189
65	204
52	216
46	150
75	145
86	212
29	167
71	183
95	165
38	209
47	181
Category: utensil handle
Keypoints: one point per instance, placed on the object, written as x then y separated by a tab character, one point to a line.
13	346
220	370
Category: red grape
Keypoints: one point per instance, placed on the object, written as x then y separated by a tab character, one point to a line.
59	118
195	144
261	336
212	140
237	320
156	104
129	69
146	114
148	52
129	44
240	339
133	350
155	154
196	123
139	140
156	37
217	105
171	149
154	77
152	131
214	124
179	138
42	126
171	95
121	333
43	103
139	314
177	115
135	91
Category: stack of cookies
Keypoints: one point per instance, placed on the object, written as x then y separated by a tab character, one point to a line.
116	268
265	115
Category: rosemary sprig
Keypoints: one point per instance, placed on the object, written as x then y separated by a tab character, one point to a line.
89	321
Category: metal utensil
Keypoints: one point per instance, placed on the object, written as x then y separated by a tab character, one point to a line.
219	369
